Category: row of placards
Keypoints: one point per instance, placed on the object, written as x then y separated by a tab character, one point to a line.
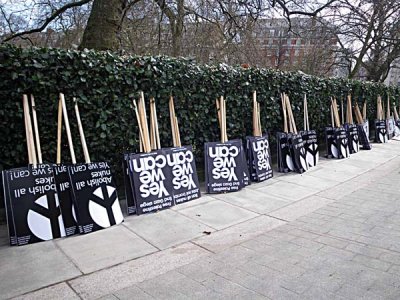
51	201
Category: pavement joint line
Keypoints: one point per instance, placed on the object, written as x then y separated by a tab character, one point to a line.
143	238
280	219
72	288
67	256
201	246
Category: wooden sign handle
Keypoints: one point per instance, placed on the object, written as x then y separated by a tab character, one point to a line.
81	133
28	144
59	131
141	137
68	129
30	132
172	120
36	128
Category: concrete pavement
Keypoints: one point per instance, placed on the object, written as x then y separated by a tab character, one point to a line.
332	233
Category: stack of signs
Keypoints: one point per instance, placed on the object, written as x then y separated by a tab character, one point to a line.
362	128
351	128
380	124
310	139
258	153
291	153
95	203
159	178
225	164
336	136
31	201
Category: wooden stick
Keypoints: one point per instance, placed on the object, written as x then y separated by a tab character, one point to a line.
388	109
342	111
358	114
81	133
152	127
285	124
158	143
259	119
59	132
332	119
172	119
141	136
396	115
364	114
336	113
178	135
36	128
220	107
28	144
30	132
291	117
145	128
68	129
255	114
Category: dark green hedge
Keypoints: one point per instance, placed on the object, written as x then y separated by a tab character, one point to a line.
105	84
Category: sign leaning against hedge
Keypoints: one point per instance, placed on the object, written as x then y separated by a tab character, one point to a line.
104	82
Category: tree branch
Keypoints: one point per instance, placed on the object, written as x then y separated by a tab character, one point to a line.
48	20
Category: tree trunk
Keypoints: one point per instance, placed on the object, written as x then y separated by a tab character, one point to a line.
102	29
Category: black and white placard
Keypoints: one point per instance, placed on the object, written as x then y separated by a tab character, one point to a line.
183	174
390	124
130	198
311	147
9	213
65	196
94	196
353	139
380	131
224	166
35	209
298	153
259	158
285	161
336	143
151	182
363	135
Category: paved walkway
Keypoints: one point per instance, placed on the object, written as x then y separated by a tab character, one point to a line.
332	233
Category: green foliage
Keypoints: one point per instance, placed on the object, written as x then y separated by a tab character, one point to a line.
105	84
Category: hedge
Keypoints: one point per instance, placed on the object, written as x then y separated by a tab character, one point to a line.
105	84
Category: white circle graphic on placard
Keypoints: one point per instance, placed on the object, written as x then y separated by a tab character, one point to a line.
303	161
289	163
40	225
334	151
99	213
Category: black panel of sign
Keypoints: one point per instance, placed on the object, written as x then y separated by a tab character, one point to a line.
380	131
130	198
353	139
183	174
9	214
311	147
65	196
152	189
363	135
95	196
336	143
34	203
390	127
298	153
259	158
397	128
246	172
285	161
225	166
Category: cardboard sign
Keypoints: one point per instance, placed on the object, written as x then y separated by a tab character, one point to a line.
224	166
152	189
285	162
311	147
130	198
353	139
363	135
95	196
390	124
35	208
380	131
183	174
65	196
298	153
336	143
259	158
246	172
397	128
